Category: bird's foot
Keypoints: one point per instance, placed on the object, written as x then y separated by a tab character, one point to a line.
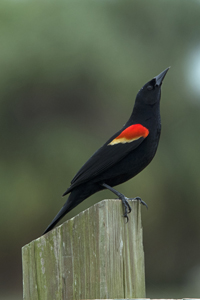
140	200
127	207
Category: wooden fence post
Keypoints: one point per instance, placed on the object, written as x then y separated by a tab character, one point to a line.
95	255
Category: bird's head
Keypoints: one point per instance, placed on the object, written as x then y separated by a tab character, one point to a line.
150	93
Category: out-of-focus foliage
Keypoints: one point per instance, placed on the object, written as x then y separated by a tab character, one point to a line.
69	73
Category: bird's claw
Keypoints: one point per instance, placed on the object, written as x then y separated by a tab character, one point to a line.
127	218
140	200
127	208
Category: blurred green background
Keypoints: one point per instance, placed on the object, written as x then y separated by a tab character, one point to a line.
69	74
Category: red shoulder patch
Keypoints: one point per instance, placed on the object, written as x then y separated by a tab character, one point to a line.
130	134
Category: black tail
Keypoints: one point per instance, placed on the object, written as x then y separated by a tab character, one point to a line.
78	194
64	210
67	207
76	197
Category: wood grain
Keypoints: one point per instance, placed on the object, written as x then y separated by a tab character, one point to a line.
95	255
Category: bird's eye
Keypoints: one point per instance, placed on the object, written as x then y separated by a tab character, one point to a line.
149	88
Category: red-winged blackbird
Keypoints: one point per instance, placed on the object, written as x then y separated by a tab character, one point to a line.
124	155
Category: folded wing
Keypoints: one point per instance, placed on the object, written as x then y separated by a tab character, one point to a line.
114	150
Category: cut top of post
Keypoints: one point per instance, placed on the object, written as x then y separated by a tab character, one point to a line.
94	255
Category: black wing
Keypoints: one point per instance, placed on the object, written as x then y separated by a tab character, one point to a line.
102	159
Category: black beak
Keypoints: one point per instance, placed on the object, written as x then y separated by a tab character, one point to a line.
159	78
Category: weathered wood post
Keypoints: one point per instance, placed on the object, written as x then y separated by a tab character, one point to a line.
95	255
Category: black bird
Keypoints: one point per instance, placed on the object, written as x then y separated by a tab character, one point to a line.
124	155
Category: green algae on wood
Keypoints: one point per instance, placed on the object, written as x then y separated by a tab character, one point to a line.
95	255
